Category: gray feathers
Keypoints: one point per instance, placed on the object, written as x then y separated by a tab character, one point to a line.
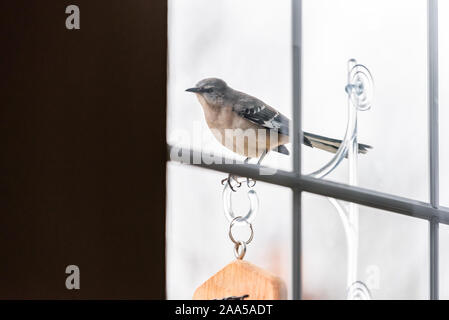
254	110
257	112
282	149
328	144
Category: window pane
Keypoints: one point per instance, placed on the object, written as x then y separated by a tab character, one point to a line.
246	43
443	7
198	244
393	253
389	37
444	262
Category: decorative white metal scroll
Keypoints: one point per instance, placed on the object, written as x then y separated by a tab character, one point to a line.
360	92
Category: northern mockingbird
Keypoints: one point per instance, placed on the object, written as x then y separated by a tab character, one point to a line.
247	125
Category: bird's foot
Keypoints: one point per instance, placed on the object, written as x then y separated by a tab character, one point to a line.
250	182
232	181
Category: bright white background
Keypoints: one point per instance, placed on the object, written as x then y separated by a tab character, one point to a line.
444	144
248	44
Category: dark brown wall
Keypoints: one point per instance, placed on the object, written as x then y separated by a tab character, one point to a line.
82	158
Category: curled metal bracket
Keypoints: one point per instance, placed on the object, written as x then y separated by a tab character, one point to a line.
360	93
360	87
358	291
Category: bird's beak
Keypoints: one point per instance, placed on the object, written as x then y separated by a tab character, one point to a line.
195	90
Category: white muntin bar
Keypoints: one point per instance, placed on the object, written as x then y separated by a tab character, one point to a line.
432	60
297	145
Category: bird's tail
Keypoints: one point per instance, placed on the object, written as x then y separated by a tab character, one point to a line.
328	144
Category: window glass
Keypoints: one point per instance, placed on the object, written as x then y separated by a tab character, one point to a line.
443	8
444	262
198	244
390	38
393	253
247	44
443	19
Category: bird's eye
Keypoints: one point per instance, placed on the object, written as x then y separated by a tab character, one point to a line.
209	90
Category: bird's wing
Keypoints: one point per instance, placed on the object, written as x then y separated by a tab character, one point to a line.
254	110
